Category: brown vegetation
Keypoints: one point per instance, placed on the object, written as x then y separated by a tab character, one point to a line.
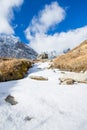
74	60
13	69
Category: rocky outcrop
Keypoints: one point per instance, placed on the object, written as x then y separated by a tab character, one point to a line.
42	56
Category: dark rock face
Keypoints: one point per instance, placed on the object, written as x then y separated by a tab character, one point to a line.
42	56
12	47
10	99
67	50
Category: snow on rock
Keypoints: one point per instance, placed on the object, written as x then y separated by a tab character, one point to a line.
12	47
79	77
50	105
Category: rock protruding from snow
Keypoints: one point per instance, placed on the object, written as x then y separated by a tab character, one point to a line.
80	77
27	118
10	99
12	47
38	77
67	81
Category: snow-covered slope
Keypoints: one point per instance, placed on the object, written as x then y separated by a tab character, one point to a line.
12	47
49	105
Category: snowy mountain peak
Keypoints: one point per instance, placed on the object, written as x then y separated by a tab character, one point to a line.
9	39
12	47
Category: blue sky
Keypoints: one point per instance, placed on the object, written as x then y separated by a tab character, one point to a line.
47	25
76	15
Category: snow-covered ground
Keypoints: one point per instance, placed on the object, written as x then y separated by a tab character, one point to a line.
82	76
50	105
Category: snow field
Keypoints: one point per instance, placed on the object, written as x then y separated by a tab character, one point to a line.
50	105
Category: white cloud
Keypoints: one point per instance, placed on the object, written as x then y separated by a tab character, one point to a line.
51	15
59	41
36	33
6	15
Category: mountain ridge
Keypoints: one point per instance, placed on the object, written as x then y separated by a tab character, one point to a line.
74	60
12	47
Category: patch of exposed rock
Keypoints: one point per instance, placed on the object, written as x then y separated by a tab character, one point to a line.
38	78
28	118
42	56
10	99
67	81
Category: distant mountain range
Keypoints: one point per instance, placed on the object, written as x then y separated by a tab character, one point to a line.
12	47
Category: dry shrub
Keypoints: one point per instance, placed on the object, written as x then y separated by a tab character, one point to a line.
13	69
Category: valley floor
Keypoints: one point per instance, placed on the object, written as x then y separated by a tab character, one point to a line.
49	106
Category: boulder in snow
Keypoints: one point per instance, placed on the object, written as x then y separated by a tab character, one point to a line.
67	81
27	118
10	99
38	77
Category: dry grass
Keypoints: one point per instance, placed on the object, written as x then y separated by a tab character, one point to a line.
13	69
74	60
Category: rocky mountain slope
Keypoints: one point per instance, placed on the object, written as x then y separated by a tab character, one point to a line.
12	47
74	60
